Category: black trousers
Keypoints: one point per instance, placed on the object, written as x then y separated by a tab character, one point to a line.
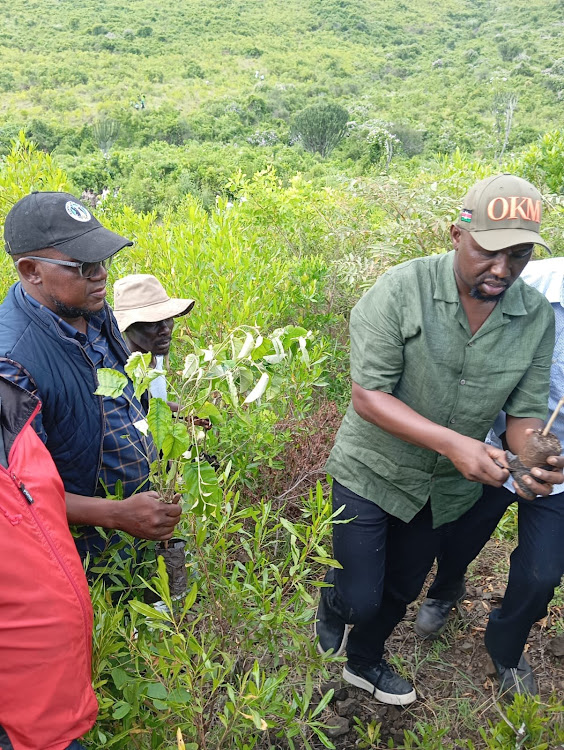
537	564
385	562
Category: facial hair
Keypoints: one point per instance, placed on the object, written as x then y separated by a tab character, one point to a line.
476	294
68	312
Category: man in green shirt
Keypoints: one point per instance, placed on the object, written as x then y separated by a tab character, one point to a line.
439	345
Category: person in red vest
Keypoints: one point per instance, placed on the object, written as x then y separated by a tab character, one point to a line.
46	695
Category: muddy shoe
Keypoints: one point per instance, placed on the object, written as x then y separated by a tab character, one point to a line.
381	682
517	680
433	615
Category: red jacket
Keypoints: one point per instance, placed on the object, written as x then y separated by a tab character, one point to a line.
46	696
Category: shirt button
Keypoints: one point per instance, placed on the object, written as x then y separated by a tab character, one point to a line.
453	420
470	343
462	382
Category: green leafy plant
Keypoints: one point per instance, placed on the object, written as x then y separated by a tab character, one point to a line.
320	127
229	376
232	665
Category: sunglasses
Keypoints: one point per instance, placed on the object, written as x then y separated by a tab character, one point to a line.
86	269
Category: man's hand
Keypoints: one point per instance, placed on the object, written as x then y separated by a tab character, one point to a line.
549	477
145	517
478	461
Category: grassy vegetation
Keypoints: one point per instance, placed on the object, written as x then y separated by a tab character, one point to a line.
190	116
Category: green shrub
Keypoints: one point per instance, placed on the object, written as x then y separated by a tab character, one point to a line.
321	127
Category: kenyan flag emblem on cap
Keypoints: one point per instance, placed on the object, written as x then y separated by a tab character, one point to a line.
466	215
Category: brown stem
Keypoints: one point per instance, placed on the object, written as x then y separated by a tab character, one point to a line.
550	422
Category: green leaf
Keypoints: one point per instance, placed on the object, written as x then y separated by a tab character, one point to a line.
160	420
139	370
191	366
179	695
328	561
232	389
245	379
290	334
121	709
265	347
210	411
138	365
259	389
201	485
190	598
323	703
176	442
111	383
147	611
120	677
247	347
157	690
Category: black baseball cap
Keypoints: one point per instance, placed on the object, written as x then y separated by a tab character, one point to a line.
46	219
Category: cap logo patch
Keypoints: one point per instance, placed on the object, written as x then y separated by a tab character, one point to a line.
466	215
514	207
77	212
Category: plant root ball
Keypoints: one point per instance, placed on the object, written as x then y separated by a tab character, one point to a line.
538	448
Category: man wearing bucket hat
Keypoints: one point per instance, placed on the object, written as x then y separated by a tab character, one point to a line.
56	330
439	345
145	315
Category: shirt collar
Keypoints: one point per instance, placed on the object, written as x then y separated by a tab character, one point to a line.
445	288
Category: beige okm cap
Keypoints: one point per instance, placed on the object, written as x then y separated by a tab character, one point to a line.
141	298
502	211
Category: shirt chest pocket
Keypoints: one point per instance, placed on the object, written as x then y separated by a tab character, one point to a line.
437	345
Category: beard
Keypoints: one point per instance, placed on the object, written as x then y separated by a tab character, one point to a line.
476	294
71	313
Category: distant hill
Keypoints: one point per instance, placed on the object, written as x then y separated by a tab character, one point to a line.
233	70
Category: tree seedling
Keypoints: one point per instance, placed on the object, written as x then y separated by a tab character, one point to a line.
226	378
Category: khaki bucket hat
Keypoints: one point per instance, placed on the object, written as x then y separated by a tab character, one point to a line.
141	298
502	211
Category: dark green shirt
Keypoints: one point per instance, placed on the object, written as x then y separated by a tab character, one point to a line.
410	337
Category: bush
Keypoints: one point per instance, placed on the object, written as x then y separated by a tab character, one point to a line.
321	127
192	70
543	162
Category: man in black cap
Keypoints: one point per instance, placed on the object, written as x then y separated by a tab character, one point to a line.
56	330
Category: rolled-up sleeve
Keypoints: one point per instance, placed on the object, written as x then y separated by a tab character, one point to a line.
530	397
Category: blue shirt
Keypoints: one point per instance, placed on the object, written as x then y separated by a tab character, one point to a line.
126	452
548	277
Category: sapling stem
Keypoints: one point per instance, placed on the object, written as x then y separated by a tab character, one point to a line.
550	422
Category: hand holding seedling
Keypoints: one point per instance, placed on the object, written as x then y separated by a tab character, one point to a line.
536	459
478	461
146	516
